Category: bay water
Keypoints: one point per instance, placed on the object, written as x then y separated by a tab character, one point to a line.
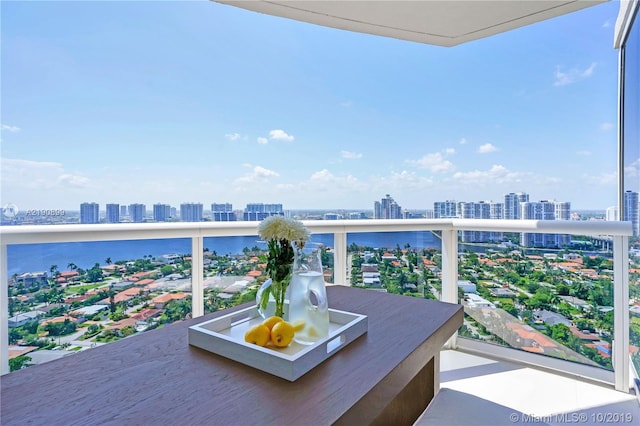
23	258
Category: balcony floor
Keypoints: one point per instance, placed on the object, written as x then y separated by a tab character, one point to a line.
480	391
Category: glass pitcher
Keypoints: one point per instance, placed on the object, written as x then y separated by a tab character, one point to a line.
308	305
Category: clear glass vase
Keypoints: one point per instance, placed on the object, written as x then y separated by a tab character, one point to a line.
271	302
308	303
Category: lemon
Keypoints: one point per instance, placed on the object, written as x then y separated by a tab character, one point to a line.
282	334
258	334
298	325
271	321
313	333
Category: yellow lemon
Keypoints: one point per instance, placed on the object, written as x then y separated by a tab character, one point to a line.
271	321
313	333
282	334
298	325
258	334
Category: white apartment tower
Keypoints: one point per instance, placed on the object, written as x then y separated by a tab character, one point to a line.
113	213
479	210
632	211
444	209
89	213
512	203
545	210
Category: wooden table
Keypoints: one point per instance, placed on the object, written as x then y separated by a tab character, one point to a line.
386	376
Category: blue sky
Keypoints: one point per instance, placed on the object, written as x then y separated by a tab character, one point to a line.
171	102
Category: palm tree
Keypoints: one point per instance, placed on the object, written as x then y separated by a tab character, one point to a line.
72	266
108	261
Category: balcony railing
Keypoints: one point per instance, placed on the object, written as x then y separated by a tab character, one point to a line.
448	230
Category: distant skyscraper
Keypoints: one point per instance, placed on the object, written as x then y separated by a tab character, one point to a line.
444	209
223	212
496	210
545	210
260	211
137	212
332	216
123	210
479	210
113	213
512	203
387	208
631	211
89	213
161	212
191	212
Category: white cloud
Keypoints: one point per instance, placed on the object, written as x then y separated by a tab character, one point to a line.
573	75
350	155
600	180
257	175
263	141
486	148
346	104
463	141
497	174
280	135
450	151
606	23
12	129
325	181
584	153
606	126
434	162
233	136
632	171
31	175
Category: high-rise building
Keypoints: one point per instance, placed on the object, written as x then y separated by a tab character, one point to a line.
89	213
387	208
113	213
479	210
512	203
611	213
444	209
631	211
191	212
356	215
123	211
545	210
161	212
137	212
260	211
223	212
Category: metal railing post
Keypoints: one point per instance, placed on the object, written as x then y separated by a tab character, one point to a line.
620	345
4	315
197	276
340	259
450	273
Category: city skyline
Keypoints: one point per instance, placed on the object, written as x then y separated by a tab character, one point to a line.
242	108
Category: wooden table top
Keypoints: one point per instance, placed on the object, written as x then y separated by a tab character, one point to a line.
158	378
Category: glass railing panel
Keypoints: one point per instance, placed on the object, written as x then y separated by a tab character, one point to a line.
634	309
406	263
557	303
69	297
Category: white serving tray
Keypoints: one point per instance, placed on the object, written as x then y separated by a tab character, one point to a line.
225	336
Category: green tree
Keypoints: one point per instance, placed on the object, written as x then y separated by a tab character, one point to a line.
19	362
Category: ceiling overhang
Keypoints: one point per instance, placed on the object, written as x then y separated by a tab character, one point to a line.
437	22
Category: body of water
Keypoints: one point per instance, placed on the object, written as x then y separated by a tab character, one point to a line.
40	257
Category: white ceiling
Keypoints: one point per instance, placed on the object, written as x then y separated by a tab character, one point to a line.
437	22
